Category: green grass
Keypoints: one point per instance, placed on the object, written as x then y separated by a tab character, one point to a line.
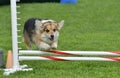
89	25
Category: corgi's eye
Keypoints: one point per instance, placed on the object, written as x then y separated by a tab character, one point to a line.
54	30
47	30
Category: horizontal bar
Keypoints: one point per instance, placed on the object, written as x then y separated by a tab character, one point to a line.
18	12
18	24
19	48
18	18
17	0
18	6
19	42
100	53
67	58
18	30
19	36
32	52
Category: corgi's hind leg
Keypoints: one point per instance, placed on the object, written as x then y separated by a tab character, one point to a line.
27	41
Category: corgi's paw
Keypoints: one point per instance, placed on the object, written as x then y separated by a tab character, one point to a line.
54	45
44	46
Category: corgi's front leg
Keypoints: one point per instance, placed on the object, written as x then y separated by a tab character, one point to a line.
43	46
54	45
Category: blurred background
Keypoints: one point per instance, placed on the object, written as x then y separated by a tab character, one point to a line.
3	2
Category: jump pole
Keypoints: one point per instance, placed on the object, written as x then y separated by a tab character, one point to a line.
21	58
75	53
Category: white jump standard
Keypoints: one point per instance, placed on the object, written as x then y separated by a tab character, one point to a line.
16	66
18	55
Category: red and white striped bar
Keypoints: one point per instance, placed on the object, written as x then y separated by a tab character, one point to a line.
21	58
99	53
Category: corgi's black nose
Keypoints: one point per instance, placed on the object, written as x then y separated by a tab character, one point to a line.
52	36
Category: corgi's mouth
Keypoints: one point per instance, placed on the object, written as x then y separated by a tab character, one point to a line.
51	39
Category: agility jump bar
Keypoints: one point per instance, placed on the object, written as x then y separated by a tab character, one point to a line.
21	58
99	53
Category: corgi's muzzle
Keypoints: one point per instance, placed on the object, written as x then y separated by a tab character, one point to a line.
51	37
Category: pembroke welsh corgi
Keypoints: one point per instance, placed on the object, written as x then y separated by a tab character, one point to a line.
43	33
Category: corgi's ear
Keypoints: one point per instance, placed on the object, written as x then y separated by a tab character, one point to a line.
38	25
60	24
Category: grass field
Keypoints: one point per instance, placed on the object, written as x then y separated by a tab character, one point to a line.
89	25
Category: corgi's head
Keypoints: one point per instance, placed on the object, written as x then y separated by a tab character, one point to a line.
48	29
